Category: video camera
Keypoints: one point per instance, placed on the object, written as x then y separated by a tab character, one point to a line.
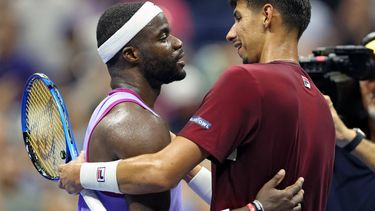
336	71
355	61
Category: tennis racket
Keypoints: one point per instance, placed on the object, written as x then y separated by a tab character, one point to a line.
47	132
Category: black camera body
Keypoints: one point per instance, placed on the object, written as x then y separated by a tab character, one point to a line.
336	71
356	61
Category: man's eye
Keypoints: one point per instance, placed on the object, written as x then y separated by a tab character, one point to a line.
163	37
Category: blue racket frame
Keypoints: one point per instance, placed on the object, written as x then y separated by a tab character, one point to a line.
71	149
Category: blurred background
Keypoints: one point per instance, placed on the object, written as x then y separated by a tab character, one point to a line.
57	37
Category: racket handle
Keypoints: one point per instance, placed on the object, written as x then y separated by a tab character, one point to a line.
92	200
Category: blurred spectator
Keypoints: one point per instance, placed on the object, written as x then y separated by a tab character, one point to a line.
353	20
321	31
354	176
14	65
353	180
212	20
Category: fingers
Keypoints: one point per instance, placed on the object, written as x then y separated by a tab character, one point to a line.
295	188
60	168
298	207
66	182
61	185
81	157
70	189
276	180
297	199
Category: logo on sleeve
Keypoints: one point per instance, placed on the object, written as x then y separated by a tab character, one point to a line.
100	176
306	82
200	121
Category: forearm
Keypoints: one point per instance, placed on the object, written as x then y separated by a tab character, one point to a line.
160	171
149	173
365	151
145	174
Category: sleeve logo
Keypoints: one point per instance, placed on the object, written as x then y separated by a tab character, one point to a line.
306	82
100	175
201	122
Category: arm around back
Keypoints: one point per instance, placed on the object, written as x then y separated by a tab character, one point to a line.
159	171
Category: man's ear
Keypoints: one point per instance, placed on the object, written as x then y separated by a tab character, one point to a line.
130	54
268	12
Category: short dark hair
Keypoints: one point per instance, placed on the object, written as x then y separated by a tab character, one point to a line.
112	20
295	13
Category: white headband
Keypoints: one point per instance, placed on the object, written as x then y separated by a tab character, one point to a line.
135	24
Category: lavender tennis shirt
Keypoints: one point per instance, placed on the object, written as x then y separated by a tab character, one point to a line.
112	201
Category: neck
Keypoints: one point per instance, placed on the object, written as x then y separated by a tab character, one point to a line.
134	80
280	48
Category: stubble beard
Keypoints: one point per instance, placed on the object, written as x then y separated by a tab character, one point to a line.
159	72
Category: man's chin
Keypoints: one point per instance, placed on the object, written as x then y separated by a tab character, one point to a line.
177	77
246	61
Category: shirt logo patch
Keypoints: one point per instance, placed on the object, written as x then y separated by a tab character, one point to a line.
306	82
201	122
100	175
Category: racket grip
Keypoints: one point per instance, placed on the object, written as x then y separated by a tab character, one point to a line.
92	200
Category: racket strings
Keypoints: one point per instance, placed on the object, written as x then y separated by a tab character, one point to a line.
46	130
44	143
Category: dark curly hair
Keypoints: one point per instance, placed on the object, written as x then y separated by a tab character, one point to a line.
112	20
295	13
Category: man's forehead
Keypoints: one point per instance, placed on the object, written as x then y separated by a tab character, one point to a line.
241	7
159	20
158	23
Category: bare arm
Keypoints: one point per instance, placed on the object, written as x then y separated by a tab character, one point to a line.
365	151
149	173
119	136
159	171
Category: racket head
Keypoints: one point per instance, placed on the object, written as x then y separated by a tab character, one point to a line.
46	128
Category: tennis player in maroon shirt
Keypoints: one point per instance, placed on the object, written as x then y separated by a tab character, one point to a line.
259	117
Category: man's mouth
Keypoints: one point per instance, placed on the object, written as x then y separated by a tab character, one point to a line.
181	62
237	46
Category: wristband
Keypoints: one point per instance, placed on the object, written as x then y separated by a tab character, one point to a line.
258	205
354	143
100	176
251	207
201	184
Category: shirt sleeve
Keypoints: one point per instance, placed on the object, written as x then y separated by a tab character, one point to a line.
229	114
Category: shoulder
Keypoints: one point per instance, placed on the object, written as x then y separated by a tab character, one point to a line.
129	112
238	77
244	71
131	118
129	130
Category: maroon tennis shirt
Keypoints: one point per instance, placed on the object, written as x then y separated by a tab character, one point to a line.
258	119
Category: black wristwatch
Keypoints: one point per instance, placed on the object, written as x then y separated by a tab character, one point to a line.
360	135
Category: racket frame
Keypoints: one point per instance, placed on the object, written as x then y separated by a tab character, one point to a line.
71	149
89	196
